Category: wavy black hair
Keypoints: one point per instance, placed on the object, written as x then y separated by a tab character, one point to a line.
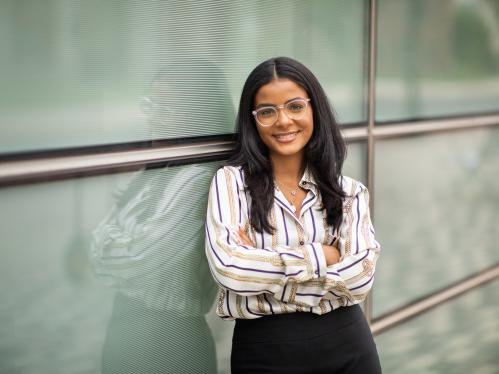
324	153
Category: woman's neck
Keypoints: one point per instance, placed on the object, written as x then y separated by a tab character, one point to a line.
288	169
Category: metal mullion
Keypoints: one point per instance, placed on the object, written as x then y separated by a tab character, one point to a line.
65	167
424	304
371	112
406	128
68	166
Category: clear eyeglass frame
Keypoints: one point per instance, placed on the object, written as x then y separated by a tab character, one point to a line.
284	107
149	107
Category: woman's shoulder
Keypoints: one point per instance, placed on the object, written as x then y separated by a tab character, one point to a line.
233	172
233	169
351	186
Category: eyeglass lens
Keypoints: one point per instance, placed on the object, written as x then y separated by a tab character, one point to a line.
295	109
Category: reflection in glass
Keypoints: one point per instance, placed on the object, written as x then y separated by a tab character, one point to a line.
138	296
170	113
435	211
437	58
149	249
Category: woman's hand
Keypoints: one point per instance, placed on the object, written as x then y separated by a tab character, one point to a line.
331	253
243	238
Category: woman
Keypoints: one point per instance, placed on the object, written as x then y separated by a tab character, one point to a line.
289	240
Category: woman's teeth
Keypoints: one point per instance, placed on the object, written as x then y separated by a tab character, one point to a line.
286	137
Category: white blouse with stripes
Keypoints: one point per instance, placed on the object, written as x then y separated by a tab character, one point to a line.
286	271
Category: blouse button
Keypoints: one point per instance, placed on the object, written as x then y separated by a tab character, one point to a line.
302	242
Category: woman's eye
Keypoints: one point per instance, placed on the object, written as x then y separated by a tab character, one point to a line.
266	112
296	107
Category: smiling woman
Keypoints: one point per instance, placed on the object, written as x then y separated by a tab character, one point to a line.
289	239
289	130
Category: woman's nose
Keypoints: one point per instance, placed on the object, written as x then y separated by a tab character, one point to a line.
282	117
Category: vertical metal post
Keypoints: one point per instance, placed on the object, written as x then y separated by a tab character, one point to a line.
371	106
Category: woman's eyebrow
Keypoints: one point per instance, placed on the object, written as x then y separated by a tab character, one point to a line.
267	104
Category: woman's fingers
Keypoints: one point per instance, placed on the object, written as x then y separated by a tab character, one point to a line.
331	253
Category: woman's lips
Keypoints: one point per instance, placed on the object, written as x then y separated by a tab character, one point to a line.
287	137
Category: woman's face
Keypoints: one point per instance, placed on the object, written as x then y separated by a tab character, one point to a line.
287	136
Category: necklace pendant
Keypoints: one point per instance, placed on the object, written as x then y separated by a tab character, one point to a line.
293	208
293	192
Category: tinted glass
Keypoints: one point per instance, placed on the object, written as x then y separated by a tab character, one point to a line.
435	212
460	336
437	58
76	73
107	274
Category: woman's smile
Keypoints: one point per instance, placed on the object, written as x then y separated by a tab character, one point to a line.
286	137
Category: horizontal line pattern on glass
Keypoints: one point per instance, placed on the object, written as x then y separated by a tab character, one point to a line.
120	254
46	232
87	73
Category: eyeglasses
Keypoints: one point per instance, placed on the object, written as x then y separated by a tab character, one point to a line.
150	107
268	115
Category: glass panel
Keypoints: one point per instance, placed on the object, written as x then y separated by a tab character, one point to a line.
110	274
78	73
107	274
435	212
355	163
460	336
437	58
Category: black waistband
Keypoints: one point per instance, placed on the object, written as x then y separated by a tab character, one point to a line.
299	324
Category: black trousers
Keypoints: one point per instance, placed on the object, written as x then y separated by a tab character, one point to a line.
337	342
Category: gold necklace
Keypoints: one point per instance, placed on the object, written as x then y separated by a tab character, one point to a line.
293	193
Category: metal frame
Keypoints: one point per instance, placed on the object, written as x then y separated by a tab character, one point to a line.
65	167
400	129
428	302
42	169
371	116
404	129
38	169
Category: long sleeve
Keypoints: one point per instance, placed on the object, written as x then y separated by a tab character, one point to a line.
246	270
352	277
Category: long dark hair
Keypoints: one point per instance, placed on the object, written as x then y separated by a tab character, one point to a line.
325	152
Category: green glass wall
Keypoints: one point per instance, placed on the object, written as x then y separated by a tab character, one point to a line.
460	336
79	73
441	193
108	274
437	58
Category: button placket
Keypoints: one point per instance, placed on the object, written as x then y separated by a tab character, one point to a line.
301	235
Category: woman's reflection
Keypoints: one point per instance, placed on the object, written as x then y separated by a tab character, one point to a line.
149	248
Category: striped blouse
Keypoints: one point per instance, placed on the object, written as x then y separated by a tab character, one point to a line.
286	271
